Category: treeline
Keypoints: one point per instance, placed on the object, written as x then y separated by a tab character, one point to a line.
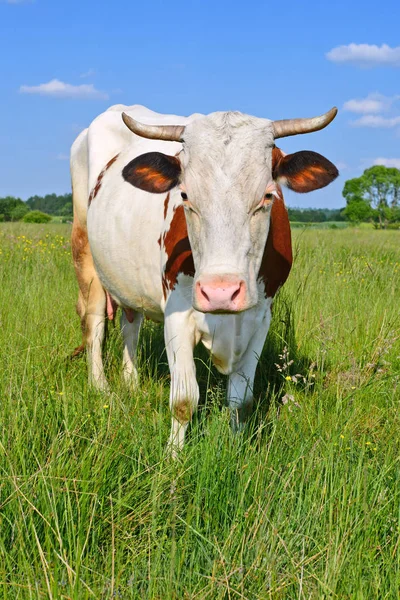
15	209
315	215
52	204
12	209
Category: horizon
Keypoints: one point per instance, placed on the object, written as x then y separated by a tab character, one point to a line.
301	208
82	60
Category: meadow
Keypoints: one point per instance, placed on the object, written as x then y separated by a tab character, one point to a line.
305	503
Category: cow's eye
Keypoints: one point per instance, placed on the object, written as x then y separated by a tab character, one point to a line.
184	196
269	196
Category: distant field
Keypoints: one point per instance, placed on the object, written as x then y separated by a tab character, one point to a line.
324	225
304	504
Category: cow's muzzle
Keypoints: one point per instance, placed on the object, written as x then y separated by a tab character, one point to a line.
220	294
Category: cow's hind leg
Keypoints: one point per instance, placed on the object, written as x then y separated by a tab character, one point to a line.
91	306
180	339
131	322
240	383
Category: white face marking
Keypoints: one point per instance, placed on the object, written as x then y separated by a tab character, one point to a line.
227	166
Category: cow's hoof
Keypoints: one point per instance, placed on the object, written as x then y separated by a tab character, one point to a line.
100	385
131	379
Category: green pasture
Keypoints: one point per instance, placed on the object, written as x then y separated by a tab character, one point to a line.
304	504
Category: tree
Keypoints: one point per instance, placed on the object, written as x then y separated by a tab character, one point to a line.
358	211
8	205
19	211
376	195
36	216
353	190
66	210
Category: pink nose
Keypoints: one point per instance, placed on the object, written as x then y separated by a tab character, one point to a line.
220	294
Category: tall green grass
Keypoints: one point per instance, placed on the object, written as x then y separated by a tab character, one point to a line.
303	504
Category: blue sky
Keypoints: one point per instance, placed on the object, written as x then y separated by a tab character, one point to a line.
64	62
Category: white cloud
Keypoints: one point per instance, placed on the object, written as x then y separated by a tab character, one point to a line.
365	55
373	103
388	162
376	121
341	166
17	1
87	74
59	89
62	156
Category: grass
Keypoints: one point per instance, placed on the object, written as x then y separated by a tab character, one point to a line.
304	504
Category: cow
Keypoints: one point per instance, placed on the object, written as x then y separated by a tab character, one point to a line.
182	220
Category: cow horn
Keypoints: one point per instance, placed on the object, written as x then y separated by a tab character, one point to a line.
170	133
287	127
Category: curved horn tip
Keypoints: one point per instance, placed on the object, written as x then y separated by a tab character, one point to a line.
288	127
126	118
333	112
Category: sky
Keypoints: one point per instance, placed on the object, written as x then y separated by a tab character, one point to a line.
65	62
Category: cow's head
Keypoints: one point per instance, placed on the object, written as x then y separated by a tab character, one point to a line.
228	174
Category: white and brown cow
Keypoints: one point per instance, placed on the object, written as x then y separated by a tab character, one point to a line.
184	221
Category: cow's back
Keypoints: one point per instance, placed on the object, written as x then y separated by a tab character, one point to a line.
124	223
106	137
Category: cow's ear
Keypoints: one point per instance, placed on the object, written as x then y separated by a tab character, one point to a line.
153	172
303	171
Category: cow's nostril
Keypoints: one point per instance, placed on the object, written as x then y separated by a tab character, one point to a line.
236	293
204	294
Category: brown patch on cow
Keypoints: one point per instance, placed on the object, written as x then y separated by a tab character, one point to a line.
82	258
79	350
92	297
79	241
178	250
183	411
277	258
166	201
111	161
97	187
277	156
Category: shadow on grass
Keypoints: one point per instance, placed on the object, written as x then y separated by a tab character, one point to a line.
268	381
269	385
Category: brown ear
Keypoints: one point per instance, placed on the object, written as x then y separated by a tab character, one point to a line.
153	172
303	171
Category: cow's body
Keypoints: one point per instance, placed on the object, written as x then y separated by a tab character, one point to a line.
139	244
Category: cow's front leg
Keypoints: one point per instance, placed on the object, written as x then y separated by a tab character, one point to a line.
240	382
180	340
131	322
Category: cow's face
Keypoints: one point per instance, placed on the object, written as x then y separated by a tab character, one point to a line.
228	175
